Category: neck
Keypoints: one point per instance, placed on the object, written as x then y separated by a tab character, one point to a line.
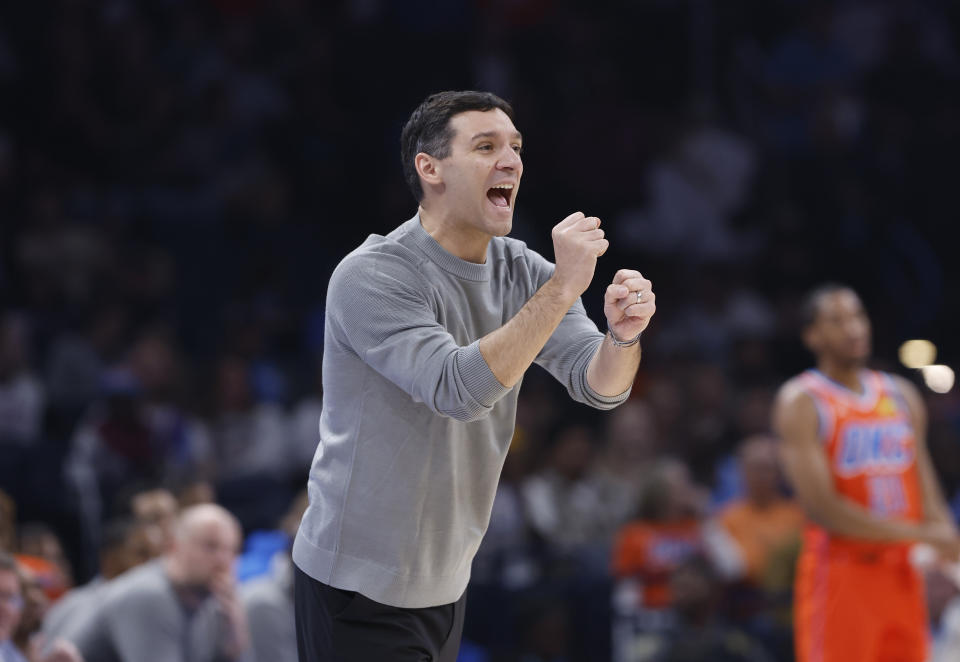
848	375
455	237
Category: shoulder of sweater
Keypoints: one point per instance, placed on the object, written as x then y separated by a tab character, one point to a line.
147	580
512	249
379	253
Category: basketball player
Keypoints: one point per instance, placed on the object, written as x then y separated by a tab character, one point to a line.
853	444
429	331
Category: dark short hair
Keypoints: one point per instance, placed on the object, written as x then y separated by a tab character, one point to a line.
810	306
428	129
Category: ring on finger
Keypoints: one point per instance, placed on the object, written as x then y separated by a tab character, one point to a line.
639	295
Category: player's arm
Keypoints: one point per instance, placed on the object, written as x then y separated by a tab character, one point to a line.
805	465
614	368
934	505
577	242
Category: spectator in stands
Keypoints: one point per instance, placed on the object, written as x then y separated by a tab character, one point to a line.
126	544
268	598
155	505
37	540
182	441
665	533
252	446
268	601
630	446
11	606
700	634
22	603
563	503
183	606
21	392
764	521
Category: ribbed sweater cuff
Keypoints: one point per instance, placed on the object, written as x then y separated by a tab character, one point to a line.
479	380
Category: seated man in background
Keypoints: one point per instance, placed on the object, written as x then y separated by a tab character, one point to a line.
126	544
183	606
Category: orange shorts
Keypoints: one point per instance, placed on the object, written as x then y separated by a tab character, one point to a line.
849	609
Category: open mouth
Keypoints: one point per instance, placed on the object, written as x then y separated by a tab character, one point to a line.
500	195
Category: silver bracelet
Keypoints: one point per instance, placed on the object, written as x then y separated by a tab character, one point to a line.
623	343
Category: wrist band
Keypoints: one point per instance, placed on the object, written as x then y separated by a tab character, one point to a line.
623	343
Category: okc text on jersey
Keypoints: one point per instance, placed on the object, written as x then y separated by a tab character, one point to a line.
873	447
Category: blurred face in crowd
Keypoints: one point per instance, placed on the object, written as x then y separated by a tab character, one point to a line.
146	542
758	462
44	544
208	539
35	606
840	331
684	497
11	603
158	507
478	182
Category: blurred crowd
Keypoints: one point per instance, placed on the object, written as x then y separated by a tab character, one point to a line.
178	179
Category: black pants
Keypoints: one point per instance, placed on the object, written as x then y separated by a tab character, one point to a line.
344	626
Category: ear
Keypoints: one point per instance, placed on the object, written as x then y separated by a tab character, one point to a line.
428	168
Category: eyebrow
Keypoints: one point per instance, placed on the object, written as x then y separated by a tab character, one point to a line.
494	134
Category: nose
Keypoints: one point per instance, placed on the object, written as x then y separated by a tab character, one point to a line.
857	326
510	160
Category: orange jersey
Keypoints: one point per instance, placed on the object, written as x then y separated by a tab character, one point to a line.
652	551
870	446
860	600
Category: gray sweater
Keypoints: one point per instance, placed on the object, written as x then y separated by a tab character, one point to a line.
415	427
139	618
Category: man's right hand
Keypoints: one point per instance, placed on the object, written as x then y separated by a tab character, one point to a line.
577	243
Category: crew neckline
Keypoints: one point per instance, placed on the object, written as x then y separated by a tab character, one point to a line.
442	257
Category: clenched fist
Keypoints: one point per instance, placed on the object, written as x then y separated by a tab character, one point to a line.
577	243
629	303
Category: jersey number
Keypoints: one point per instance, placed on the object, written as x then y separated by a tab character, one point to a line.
887	496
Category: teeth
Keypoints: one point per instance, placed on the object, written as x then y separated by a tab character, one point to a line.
508	187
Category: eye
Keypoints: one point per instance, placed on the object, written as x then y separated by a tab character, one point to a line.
518	148
486	147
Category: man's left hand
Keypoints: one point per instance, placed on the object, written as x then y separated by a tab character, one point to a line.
629	303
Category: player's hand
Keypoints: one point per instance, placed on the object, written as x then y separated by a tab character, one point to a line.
629	303
943	537
577	243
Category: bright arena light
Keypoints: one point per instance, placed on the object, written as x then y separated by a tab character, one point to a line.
918	353
939	378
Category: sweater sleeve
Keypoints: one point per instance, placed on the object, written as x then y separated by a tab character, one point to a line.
570	349
380	307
